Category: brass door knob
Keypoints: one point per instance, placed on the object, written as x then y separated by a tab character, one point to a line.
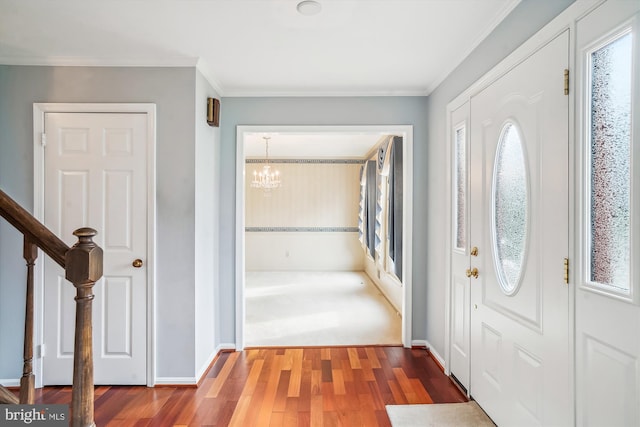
473	272
137	263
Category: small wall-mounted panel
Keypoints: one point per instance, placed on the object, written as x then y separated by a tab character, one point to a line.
213	112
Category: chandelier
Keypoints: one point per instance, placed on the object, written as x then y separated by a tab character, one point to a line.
265	178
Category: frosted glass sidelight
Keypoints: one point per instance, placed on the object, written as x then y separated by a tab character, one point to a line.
461	189
610	160
510	209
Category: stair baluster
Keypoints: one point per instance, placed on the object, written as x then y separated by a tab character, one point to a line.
27	382
83	268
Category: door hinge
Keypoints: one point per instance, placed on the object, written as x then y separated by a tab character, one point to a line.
43	139
566	271
566	81
40	351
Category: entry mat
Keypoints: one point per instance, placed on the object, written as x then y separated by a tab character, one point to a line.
440	415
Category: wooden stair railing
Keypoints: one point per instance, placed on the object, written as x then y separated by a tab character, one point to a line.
83	267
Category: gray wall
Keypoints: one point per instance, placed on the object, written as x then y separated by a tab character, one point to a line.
173	91
207	163
524	21
317	111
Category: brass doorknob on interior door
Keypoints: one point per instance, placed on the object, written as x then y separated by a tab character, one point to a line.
472	272
137	263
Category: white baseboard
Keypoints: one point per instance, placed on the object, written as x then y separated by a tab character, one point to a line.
201	372
205	366
428	346
435	354
225	347
160	381
10	382
418	343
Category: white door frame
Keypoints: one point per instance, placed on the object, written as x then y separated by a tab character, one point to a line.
39	110
406	131
452	127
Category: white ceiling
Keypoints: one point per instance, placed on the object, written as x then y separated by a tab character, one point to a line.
262	48
258	47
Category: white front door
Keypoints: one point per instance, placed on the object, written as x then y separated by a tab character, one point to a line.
95	175
460	298
608	269
519	222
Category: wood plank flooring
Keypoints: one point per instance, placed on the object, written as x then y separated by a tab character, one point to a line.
337	386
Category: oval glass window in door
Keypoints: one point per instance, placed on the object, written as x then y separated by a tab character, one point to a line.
510	209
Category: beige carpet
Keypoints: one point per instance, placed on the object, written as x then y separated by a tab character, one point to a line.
440	415
317	309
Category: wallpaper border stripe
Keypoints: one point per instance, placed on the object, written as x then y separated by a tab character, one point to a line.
301	229
309	161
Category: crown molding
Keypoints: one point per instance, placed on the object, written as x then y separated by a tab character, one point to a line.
322	93
205	69
76	61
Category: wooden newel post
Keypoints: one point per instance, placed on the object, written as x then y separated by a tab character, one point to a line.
83	264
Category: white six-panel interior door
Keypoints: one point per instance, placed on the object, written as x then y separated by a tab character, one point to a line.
95	175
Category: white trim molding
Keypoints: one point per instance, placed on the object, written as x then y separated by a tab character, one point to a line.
202	371
10	382
176	381
436	355
406	131
420	343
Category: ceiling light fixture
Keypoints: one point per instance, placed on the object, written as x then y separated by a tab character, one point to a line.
309	7
266	179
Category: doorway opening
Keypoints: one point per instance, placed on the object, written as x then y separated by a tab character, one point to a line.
257	250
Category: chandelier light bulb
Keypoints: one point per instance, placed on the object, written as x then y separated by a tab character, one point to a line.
265	178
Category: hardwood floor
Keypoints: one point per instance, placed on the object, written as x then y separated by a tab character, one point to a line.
338	386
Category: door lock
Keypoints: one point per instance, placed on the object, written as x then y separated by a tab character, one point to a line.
474	251
473	272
